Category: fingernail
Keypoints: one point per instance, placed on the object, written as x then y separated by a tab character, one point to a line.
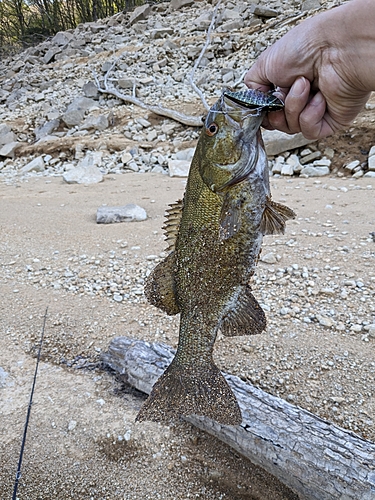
317	100
298	87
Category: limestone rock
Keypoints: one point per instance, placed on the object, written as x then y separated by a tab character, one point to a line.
371	161
185	154
9	149
178	4
263	11
352	165
73	117
269	258
277	142
90	90
178	168
310	4
126	213
87	171
312	171
235	24
140	13
62	38
46	129
81	103
161	32
35	165
83	175
99	122
50	54
6	135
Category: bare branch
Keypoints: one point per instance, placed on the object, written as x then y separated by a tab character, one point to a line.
191	121
208	41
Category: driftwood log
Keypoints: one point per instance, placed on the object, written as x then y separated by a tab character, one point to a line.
314	457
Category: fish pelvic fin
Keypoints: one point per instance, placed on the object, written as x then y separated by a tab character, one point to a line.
160	286
274	217
245	315
185	390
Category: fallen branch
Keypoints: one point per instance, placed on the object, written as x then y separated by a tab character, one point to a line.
314	457
191	121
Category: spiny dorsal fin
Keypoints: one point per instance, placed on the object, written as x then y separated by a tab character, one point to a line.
274	217
160	286
172	223
245	317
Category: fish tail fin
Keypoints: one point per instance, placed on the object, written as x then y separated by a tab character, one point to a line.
192	390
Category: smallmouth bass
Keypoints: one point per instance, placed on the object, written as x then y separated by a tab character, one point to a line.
215	235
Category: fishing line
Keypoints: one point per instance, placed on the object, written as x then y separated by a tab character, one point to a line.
18	473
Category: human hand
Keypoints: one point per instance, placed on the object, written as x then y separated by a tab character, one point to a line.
321	72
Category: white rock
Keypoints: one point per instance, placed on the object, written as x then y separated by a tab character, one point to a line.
324	321
9	149
269	258
277	142
293	160
83	175
358	174
278	165
323	162
72	425
178	168
351	166
312	171
185	154
126	213
35	165
371	162
126	158
287	169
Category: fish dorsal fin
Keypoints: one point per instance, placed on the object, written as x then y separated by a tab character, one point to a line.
230	217
245	315
172	223
274	217
160	286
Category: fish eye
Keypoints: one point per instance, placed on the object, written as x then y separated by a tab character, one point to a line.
212	129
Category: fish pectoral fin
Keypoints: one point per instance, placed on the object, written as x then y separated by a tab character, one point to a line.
172	223
274	217
160	286
246	317
230	218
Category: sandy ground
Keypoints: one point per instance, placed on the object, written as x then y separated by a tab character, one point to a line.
82	440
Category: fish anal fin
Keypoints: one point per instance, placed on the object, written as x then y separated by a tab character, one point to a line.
274	217
245	316
160	286
191	390
172	223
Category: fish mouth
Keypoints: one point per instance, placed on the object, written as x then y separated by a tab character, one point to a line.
246	122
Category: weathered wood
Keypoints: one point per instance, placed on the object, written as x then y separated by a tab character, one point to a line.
314	457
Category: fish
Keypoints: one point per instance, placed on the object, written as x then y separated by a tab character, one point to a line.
214	234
